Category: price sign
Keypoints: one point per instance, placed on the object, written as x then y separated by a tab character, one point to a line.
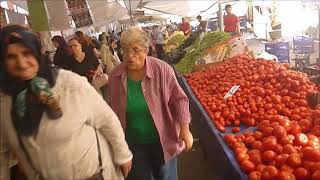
231	92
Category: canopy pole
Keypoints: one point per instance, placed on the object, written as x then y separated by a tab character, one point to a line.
130	12
319	32
220	15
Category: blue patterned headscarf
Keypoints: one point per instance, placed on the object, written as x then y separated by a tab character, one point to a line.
33	97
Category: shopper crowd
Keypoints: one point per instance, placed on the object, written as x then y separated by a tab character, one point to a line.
55	124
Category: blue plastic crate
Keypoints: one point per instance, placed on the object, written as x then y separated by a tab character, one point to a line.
279	49
303	45
212	140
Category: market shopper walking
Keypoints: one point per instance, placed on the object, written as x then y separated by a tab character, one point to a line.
86	43
53	120
106	55
231	22
153	109
82	62
63	53
159	41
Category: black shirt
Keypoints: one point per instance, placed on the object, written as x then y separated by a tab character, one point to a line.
90	62
62	59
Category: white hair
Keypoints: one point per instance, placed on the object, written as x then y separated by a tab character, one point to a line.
134	35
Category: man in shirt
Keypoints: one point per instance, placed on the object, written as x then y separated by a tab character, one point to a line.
203	24
159	41
231	21
185	27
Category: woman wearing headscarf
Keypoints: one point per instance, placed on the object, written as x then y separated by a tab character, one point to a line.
63	53
53	120
152	108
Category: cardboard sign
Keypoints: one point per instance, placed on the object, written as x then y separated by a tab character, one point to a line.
80	13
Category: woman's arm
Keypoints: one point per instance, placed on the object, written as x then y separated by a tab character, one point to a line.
106	122
179	104
96	53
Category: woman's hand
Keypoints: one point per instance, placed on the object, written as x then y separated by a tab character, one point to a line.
186	136
125	168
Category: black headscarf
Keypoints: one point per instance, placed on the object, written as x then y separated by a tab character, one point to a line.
9	85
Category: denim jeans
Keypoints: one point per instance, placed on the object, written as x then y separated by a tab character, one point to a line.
148	163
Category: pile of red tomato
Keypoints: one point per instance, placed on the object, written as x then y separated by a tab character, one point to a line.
272	98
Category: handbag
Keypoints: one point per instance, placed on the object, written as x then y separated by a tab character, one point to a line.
99	175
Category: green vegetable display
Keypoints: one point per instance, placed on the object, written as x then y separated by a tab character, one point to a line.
176	40
211	39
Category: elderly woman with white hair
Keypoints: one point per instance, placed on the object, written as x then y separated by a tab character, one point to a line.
152	108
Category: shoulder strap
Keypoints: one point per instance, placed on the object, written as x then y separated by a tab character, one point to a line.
99	152
55	72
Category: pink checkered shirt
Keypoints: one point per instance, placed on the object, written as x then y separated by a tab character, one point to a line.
168	104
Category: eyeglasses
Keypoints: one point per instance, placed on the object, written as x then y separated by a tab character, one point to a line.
133	50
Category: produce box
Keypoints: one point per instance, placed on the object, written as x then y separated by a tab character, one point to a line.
198	50
231	47
211	140
260	109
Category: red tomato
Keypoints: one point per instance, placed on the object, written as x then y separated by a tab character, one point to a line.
316	130
249	140
267	131
279	131
278	149
236	129
295	129
281	159
285	123
258	135
254	175
285	175
287	168
257	145
311	154
288	149
268	156
269	172
305	125
269	144
261	167
255	158
247	166
294	160
242	157
286	140
316	175
308	164
301	139
302	173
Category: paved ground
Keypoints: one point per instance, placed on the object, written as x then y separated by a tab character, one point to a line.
193	166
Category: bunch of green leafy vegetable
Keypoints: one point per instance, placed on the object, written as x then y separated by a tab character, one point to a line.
197	50
176	40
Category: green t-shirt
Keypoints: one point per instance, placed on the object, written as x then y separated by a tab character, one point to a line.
140	126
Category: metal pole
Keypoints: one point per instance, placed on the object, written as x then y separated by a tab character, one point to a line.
220	15
130	12
319	32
